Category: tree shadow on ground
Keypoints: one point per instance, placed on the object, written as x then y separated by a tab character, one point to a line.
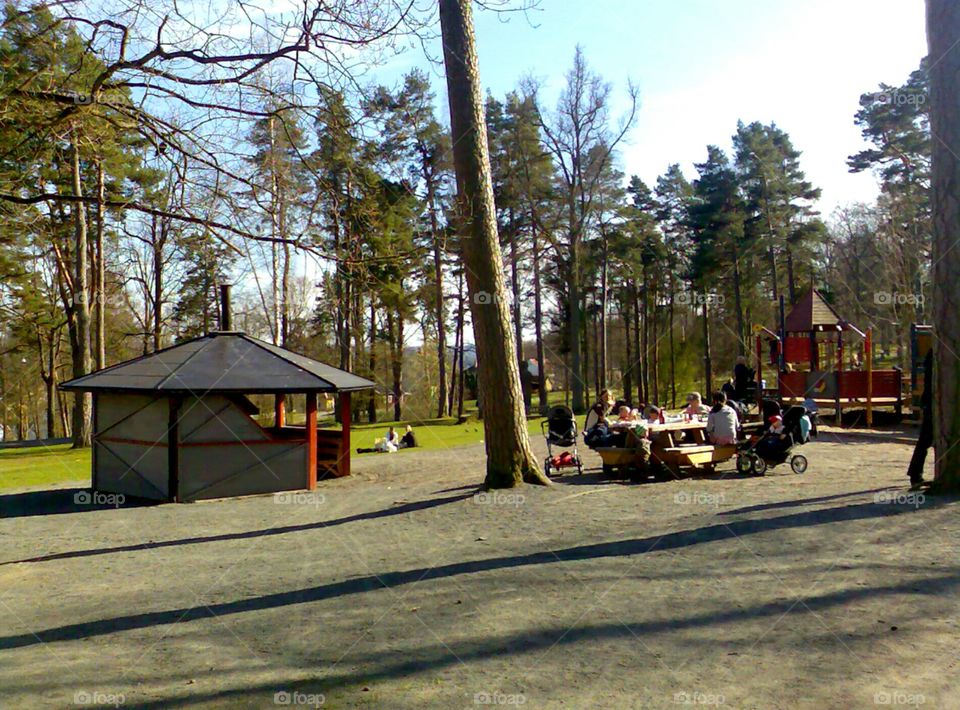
373	582
395	510
804	501
60	501
386	665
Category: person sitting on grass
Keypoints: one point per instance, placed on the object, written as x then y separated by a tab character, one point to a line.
408	440
722	422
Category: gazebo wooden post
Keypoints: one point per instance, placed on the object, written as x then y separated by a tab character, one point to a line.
344	458
280	411
311	429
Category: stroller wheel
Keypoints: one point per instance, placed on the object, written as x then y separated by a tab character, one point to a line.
579	468
758	466
744	464
798	463
546	468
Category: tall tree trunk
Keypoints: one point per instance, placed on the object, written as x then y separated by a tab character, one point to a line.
645	339
577	383
628	366
100	276
738	306
943	29
707	357
634	293
791	281
515	288
80	340
158	268
439	310
673	351
509	457
372	404
602	345
538	322
457	346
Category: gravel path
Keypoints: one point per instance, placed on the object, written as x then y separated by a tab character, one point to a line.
401	588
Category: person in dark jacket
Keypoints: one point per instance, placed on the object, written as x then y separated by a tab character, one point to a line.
925	440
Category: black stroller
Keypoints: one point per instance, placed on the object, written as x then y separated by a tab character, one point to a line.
560	429
757	457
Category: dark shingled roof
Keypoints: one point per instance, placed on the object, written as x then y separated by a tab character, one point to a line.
812	312
221	362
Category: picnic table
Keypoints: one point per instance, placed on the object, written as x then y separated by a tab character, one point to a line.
684	445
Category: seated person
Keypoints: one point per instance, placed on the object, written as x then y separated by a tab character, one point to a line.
653	414
695	406
598	412
775	441
408	440
722	422
730	390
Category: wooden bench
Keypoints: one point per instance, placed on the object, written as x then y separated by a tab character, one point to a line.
697	456
616	458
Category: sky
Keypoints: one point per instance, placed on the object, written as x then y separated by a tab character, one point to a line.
701	65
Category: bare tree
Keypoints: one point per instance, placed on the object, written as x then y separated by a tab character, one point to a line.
509	457
582	144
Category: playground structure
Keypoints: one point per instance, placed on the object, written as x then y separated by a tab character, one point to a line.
823	358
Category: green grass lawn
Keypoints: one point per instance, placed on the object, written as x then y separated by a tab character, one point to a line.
43	465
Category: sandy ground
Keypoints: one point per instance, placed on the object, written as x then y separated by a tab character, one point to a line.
399	588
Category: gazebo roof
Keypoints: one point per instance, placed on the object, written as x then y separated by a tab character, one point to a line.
221	362
813	313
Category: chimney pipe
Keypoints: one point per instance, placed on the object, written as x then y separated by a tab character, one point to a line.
226	323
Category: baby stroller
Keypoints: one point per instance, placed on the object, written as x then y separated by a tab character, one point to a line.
756	457
560	429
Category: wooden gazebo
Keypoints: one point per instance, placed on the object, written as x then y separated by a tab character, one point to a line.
176	424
